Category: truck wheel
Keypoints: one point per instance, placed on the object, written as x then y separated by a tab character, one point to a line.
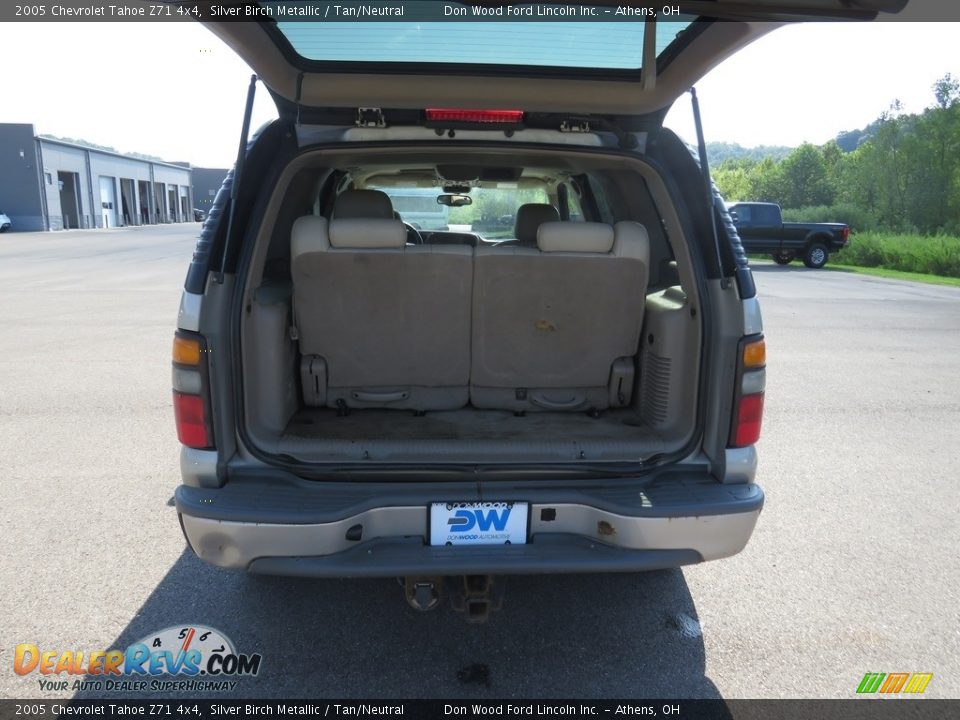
816	256
782	258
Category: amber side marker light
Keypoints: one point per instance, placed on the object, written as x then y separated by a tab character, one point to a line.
755	354
186	351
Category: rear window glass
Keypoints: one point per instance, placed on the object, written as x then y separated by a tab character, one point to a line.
418	206
492	213
560	43
494	210
408	203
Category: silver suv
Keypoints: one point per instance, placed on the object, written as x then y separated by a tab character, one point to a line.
579	390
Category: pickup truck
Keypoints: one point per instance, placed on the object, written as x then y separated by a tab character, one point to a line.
762	230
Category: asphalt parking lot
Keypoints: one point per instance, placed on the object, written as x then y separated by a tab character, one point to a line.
853	567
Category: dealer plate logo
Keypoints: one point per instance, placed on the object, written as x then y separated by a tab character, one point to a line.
478	523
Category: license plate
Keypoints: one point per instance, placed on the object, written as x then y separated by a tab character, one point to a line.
478	523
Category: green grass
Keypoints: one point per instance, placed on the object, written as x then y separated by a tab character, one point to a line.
938	255
875	271
895	274
922	258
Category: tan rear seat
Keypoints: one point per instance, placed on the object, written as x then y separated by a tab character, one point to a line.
529	219
556	328
380	323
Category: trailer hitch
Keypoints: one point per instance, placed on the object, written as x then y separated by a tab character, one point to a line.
477	596
474	595
423	593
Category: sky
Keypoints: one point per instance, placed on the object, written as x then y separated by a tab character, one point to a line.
809	81
176	91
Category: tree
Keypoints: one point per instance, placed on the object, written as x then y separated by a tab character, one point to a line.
947	91
944	132
854	182
901	172
766	181
804	178
888	162
733	177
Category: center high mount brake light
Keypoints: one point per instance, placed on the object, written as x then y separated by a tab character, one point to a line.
485	117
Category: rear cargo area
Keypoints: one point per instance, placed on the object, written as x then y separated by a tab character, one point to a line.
469	434
577	339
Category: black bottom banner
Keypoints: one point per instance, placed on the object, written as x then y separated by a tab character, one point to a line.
868	709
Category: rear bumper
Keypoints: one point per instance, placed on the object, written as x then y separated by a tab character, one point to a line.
324	530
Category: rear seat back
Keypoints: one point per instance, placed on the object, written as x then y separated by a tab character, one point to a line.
380	323
529	219
556	328
367	204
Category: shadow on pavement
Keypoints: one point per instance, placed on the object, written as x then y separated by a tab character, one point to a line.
795	267
585	636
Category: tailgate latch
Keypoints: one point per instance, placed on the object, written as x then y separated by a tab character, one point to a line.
574	126
370	118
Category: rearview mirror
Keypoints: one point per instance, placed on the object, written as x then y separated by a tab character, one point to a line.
455	200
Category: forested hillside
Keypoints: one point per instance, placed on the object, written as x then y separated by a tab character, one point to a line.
901	173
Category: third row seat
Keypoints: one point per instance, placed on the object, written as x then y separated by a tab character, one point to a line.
385	324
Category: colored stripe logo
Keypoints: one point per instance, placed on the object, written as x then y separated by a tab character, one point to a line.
894	683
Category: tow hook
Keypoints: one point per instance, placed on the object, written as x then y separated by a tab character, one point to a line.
477	596
423	593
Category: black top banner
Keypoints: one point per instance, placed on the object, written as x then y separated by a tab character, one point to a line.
426	11
350	11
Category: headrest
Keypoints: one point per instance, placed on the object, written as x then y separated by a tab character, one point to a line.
365	233
362	204
309	235
529	218
575	237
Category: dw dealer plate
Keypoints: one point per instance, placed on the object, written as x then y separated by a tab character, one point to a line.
479	523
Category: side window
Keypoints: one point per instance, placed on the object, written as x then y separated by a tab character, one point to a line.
603	203
574	209
766	216
744	215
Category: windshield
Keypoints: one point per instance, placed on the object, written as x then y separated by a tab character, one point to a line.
492	214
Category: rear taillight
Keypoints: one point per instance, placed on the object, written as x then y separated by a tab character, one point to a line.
496	117
748	398
191	420
749	419
191	408
845	233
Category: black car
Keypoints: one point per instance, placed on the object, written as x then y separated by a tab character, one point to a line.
762	230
